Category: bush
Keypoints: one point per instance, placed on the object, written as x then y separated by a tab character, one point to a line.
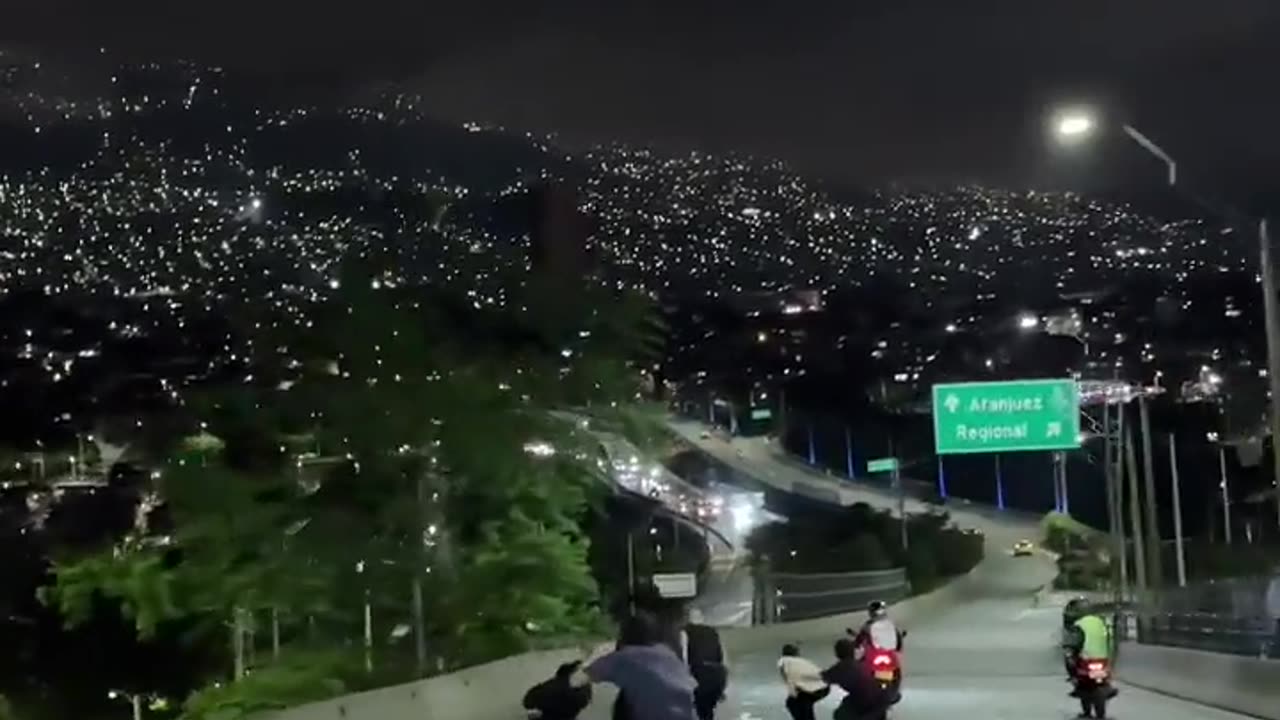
860	538
1062	533
294	680
922	568
1082	570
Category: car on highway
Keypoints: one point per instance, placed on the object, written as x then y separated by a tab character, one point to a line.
1023	548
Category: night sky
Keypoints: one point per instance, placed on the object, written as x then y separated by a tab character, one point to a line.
857	90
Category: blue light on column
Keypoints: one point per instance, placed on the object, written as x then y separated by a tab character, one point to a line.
1066	491
999	485
848	451
942	479
813	453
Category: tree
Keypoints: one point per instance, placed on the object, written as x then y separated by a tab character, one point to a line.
387	482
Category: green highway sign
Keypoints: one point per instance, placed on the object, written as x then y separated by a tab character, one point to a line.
882	465
983	417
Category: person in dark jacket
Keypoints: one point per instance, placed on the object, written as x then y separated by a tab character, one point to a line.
865	699
653	681
705	655
556	699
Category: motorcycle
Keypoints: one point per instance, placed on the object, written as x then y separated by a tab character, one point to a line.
886	668
1092	679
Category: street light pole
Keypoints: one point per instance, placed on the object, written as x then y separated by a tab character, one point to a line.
1155	566
1149	145
1179	551
1075	125
1270	307
1226	492
1271	315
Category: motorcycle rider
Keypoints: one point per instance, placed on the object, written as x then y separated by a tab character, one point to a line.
1085	637
879	631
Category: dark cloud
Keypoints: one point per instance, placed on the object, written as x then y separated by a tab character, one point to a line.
864	89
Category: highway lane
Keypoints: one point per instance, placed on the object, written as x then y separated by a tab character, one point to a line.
765	462
993	656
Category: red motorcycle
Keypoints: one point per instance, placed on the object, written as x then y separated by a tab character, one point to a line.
887	671
885	664
1093	686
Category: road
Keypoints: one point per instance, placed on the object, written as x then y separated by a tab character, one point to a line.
725	601
993	657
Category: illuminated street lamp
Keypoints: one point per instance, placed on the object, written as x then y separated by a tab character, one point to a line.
1077	125
1074	125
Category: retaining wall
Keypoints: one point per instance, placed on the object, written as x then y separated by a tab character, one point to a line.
1250	686
493	691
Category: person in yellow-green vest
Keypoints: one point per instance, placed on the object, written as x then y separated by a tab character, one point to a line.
1085	636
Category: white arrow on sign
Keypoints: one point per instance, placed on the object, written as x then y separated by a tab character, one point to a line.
952	402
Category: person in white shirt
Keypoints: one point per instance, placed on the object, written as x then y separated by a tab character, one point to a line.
880	630
1273	610
805	686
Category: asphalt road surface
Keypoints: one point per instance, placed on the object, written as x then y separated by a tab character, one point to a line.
992	657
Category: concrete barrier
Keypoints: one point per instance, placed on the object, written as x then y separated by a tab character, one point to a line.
486	692
493	691
771	638
1240	684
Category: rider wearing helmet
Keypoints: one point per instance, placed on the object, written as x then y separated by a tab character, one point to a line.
1085	635
879	631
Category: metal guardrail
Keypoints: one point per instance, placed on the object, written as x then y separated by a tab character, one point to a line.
1223	616
1250	637
784	597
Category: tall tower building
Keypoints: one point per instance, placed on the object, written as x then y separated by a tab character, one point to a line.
560	233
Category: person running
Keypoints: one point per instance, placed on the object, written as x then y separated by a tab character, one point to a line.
653	682
705	655
805	686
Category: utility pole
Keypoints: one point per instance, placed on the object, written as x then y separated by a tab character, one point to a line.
1060	482
1117	496
1135	514
1155	578
1179	550
1271	314
1226	492
1110	445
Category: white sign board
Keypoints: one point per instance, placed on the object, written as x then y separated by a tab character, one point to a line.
676	585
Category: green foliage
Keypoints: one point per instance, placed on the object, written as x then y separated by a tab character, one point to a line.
6	710
394	458
295	679
1084	559
1062	533
860	538
1082	570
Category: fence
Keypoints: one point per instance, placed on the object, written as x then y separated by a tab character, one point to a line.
1224	616
784	597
